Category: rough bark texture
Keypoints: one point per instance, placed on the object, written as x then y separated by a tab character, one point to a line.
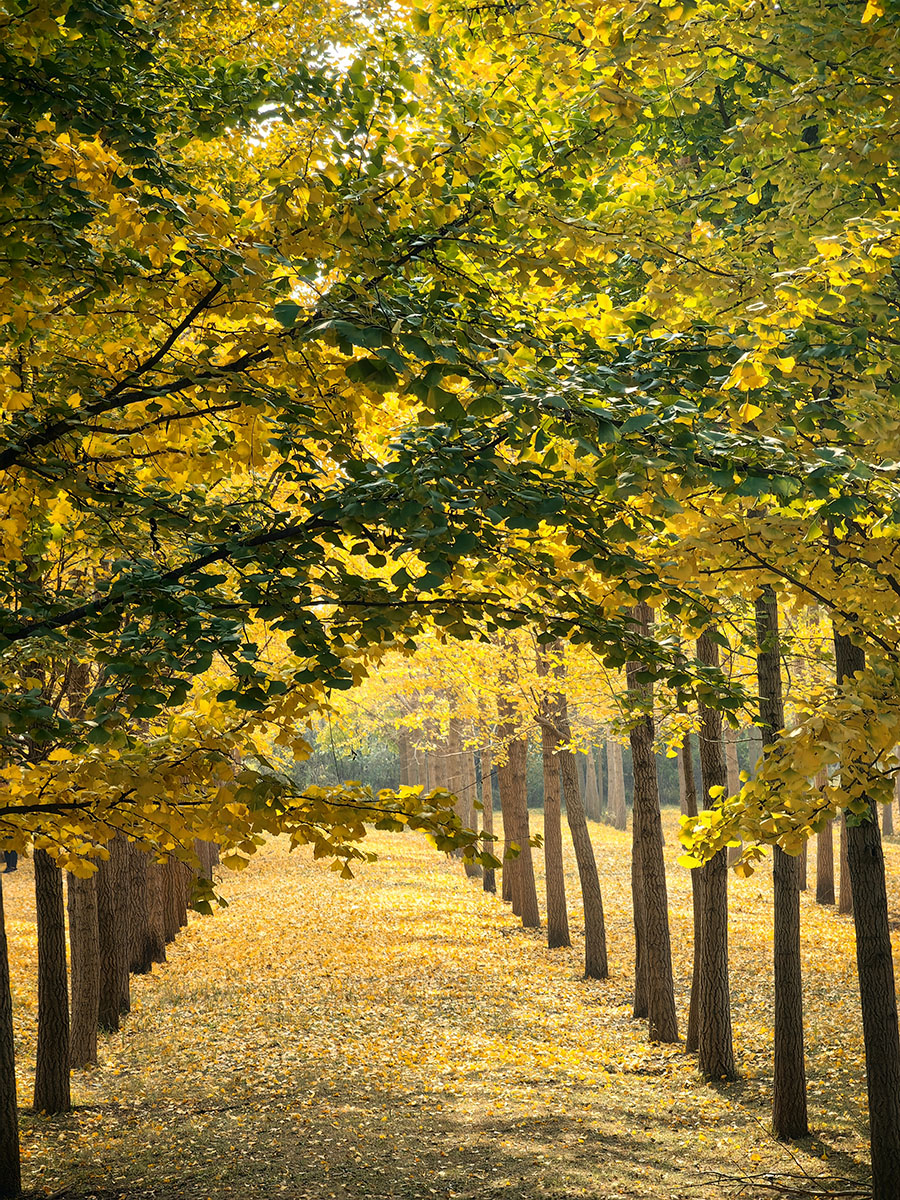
524	875
596	965
138	907
825	865
876	976
714	1036
156	938
84	949
845	884
641	1003
648	827
172	898
688	790
489	879
51	1077
789	1119
557	916
10	1168
113	880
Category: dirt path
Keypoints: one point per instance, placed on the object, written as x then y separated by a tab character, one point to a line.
399	1036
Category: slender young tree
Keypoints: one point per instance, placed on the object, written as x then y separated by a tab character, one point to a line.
489	881
648	827
470	795
84	948
875	967
714	1035
789	1117
824	855
557	915
10	1159
514	806
688	789
51	1076
596	965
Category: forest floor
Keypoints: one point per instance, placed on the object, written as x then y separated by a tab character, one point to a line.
399	1035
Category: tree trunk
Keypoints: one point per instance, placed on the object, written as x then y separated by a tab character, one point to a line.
472	869
51	1077
455	778
403	755
825	865
845	883
171	894
789	1116
557	916
113	880
591	791
617	814
887	822
596	965
732	766
10	1162
140	957
875	968
648	834
155	905
688	788
84	949
641	1004
528	905
714	1036
489	880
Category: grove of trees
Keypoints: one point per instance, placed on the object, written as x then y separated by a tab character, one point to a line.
482	374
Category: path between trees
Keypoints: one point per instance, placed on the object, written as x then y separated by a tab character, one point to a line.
398	1035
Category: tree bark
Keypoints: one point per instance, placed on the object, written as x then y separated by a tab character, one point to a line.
824	855
714	1035
648	834
51	1077
845	883
489	880
10	1159
732	766
789	1114
84	949
156	937
557	916
596	965
140	959
688	788
591	791
113	880
616	806
875	968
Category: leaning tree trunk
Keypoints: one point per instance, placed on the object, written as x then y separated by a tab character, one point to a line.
648	833
51	1076
824	855
557	916
10	1162
875	968
596	965
789	1116
489	880
688	789
714	1036
84	949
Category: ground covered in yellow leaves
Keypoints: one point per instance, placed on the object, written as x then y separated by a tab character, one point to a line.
399	1035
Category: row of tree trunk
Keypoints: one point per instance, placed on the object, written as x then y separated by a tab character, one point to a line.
120	920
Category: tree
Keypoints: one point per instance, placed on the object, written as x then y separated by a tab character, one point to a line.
10	1169
51	1078
650	898
557	915
714	1036
84	944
